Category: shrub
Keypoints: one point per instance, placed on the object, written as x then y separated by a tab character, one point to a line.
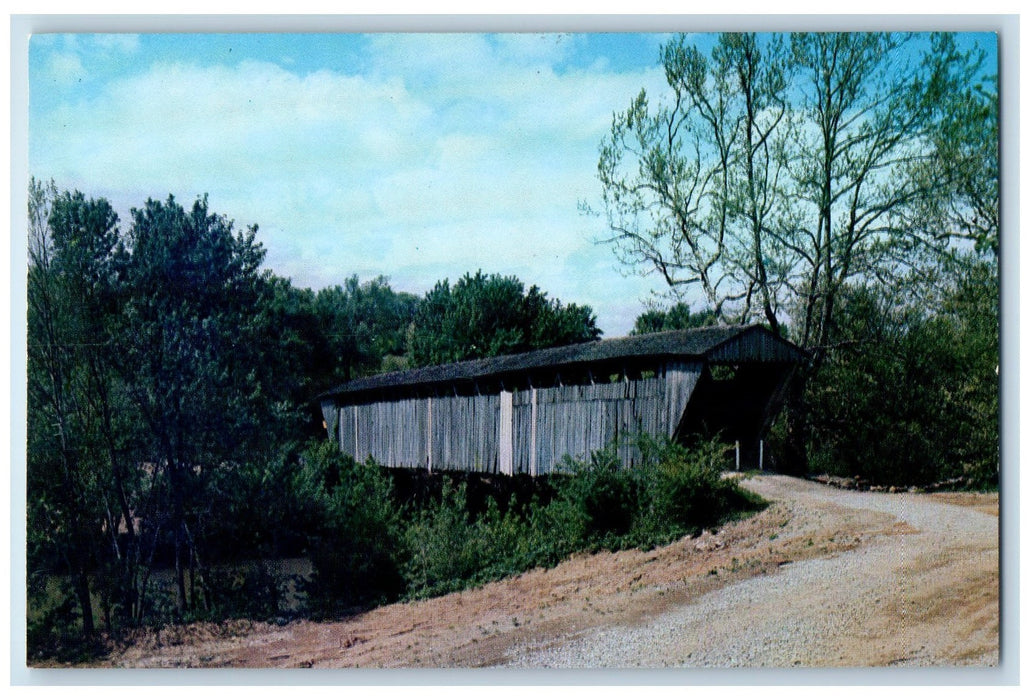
685	490
249	591
442	545
356	549
600	500
50	628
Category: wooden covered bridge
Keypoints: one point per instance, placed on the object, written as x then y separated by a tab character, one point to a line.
520	414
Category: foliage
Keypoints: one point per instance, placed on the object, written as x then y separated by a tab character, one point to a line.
50	630
912	397
76	480
363	324
674	491
190	356
248	591
155	380
484	316
355	545
783	168
169	377
678	316
597	504
445	546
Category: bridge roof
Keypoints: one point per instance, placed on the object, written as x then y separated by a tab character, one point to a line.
726	344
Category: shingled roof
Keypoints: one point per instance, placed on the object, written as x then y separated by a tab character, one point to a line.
694	343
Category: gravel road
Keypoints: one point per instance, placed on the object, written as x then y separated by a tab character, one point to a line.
922	595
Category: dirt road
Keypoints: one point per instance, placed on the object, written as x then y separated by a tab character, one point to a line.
823	577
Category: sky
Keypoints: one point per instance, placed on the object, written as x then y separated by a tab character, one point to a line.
418	157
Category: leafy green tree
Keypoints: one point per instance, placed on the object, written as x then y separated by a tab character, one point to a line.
190	351
363	324
911	395
676	317
77	487
964	169
784	168
485	316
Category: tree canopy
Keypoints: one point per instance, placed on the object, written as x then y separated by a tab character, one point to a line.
780	167
678	316
170	379
780	170
486	315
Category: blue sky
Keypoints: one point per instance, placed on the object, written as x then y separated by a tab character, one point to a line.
414	156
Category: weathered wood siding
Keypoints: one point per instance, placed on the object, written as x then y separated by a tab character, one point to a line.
391	432
440	433
757	345
527	431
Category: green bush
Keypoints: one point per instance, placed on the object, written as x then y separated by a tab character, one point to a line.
356	548
596	504
912	398
601	499
684	489
52	630
250	591
442	545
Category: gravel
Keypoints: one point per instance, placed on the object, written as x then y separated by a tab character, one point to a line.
874	605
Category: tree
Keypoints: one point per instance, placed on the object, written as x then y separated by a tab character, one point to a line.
967	149
167	377
190	350
784	168
691	188
363	324
655	319
912	398
77	484
485	316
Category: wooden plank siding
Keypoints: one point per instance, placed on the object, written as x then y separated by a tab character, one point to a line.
540	426
759	345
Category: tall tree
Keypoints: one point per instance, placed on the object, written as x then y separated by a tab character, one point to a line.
189	337
76	478
783	168
488	315
692	187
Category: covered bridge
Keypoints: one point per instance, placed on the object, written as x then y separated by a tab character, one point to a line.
520	414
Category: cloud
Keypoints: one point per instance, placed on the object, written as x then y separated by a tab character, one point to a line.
115	43
74	58
448	154
65	68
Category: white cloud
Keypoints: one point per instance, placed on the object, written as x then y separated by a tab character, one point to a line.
451	154
74	57
65	68
116	43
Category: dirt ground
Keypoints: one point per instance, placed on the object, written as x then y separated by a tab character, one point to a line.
823	577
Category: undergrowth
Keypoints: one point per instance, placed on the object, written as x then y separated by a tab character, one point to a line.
375	535
440	544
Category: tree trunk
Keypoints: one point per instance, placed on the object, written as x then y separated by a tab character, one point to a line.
796	447
82	593
182	602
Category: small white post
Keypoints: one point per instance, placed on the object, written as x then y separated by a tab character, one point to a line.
532	433
506	433
429	435
761	455
736	449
